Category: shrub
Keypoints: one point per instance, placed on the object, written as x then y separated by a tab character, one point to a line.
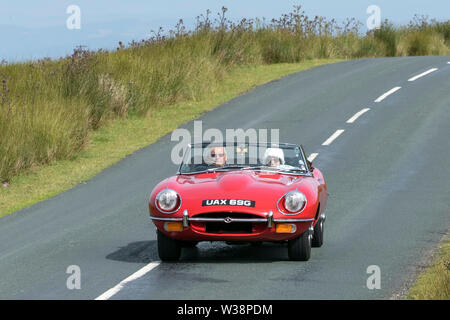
387	36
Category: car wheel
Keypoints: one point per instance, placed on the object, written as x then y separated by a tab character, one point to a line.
317	239
188	244
299	249
256	243
168	249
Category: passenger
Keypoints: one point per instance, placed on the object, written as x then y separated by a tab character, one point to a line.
273	157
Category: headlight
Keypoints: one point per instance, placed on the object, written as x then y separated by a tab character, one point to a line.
294	201
168	201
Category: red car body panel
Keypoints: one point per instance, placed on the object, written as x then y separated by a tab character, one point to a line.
263	187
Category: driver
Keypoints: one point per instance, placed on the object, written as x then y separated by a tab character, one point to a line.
217	156
273	157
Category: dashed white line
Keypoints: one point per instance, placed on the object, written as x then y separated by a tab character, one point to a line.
108	294
422	74
312	156
384	95
333	137
357	115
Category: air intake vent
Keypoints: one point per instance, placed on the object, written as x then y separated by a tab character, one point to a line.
222	227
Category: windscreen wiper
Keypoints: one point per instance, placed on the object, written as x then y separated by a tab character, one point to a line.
261	168
229	167
275	169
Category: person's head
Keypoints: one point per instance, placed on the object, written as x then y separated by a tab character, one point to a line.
218	156
273	157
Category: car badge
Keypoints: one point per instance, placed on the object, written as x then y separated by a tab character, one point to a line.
227	220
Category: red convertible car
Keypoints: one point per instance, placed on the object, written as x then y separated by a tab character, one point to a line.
241	193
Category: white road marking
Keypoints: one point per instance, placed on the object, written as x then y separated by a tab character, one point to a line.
422	74
384	95
312	156
333	137
357	115
108	294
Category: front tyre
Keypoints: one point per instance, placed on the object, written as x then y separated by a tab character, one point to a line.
299	249
317	239
168	249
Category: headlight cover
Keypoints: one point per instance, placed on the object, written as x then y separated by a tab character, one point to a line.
168	201
293	202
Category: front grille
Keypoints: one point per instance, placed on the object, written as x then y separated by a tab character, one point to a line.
236	215
234	227
255	225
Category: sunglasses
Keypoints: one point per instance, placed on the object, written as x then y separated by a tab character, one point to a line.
217	155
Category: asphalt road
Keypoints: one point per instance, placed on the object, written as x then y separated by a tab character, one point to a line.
387	175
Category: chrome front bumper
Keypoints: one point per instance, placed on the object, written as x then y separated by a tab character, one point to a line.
269	219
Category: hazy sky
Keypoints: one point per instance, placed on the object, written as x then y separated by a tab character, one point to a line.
35	29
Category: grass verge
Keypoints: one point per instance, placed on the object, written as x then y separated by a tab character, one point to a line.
434	282
122	136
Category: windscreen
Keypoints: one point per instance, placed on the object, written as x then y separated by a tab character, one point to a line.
214	157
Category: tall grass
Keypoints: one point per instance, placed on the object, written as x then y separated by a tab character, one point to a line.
48	107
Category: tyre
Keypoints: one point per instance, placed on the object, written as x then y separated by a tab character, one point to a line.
299	249
168	249
317	239
188	244
256	243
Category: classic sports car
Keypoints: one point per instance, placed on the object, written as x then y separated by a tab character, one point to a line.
241	193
